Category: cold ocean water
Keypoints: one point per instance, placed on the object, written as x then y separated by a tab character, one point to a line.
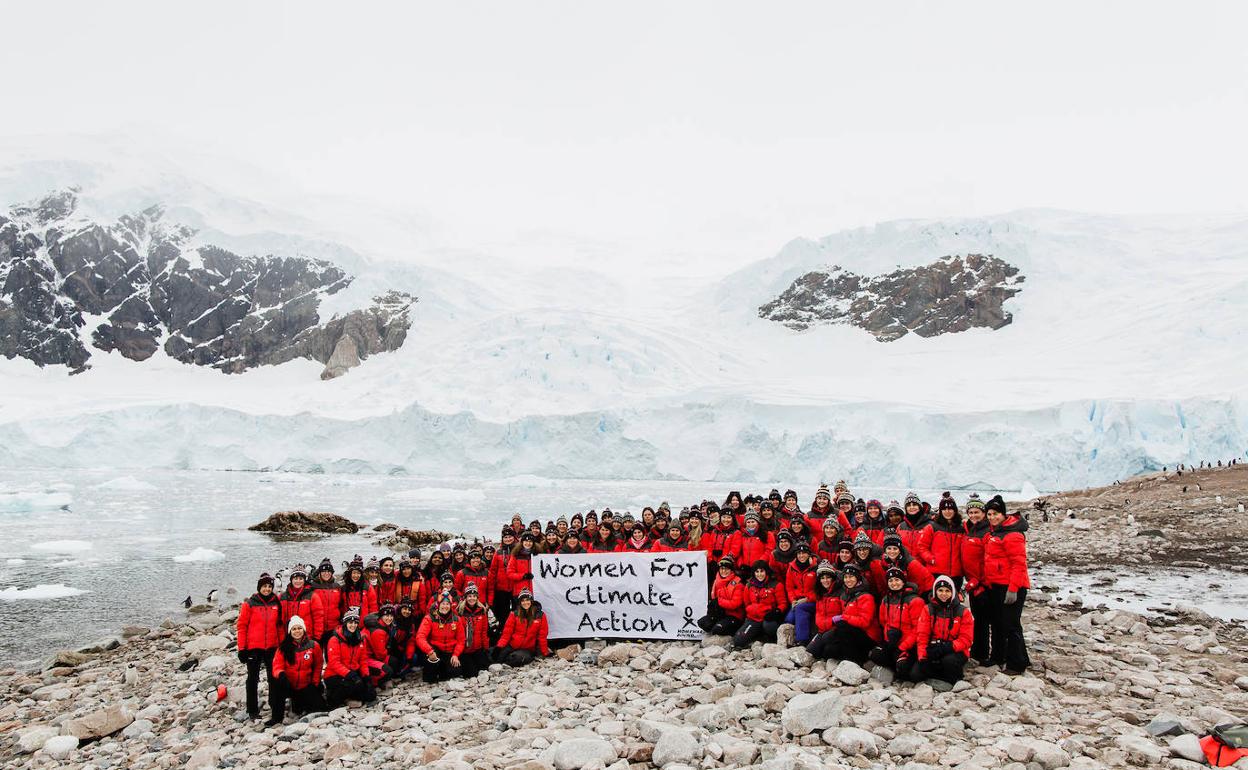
84	553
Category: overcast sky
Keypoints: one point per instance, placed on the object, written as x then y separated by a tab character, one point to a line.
632	132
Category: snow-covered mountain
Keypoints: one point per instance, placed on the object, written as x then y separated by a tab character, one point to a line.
1048	346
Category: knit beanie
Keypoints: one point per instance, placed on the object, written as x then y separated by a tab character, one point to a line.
913	498
295	620
974	502
863	541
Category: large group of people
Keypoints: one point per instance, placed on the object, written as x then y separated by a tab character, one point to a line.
919	590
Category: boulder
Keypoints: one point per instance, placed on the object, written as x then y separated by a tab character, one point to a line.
33	738
676	747
206	643
405	539
576	753
852	741
618	653
810	712
60	746
306	522
850	673
204	758
99	723
1140	750
1187	747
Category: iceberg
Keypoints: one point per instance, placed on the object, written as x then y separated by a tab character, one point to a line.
200	555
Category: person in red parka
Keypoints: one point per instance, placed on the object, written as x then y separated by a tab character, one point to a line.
756	543
945	632
476	618
296	673
356	591
297	598
441	641
673	540
520	566
1005	574
726	609
387	582
799	588
259	630
725	539
413	586
895	556
943	541
914	527
856	629
347	664
828	603
637	542
475	573
782	555
500	580
403	638
381	630
765	603
974	589
326	603
524	636
900	610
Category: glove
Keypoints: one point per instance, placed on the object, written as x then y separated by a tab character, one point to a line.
718	552
837	619
282	678
1011	597
893	636
528	576
244	656
938	649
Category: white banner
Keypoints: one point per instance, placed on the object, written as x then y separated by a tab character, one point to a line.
630	595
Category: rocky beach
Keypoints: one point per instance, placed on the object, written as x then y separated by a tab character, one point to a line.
1109	688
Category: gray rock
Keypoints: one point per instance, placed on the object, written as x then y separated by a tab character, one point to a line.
33	738
1187	747
100	723
206	757
852	741
850	673
136	728
810	712
907	745
60	746
577	753
676	746
207	643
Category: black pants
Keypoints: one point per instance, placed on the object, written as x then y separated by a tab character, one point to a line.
1008	645
719	624
256	659
440	671
751	631
502	609
947	667
302	701
473	663
514	658
981	610
340	689
844	641
903	666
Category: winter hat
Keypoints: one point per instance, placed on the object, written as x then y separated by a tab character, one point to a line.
784	534
299	570
351	614
974	502
830	523
524	594
591	516
628	518
860	505
663	506
913	498
840	487
790	494
823	490
873	503
774	495
528	536
326	565
761	564
414	555
863	541
947	501
550	527
996	503
728	561
372	566
767	505
802	545
406	601
892	538
944	580
471	588
561	520
357	562
578	517
893	505
264	578
825	568
752	516
295	620
506	531
445	576
386	609
573	536
517	517
385	559
846	545
845	497
852	569
895	572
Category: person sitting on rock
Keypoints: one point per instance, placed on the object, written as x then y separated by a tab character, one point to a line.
476	618
347	664
380	631
799	587
900	611
441	641
403	639
259	630
945	632
765	604
296	673
856	629
525	634
726	608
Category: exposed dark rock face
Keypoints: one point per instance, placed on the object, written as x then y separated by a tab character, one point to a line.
952	294
306	521
140	284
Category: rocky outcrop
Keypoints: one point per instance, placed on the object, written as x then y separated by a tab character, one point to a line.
404	539
952	294
298	522
70	286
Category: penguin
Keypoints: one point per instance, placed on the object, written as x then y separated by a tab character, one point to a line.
186	602
212	596
131	675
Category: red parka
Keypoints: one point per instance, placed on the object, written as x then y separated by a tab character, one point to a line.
859	611
903	611
945	549
520	570
1005	555
342	657
762	598
361	596
755	547
445	633
260	622
305	670
480	578
724	541
326	608
388	589
476	627
500	580
526	633
973	557
946	623
799	581
729	593
296	603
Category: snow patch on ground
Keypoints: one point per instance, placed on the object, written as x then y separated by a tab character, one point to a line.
200	555
24	501
39	592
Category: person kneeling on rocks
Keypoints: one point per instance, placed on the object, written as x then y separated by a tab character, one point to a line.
726	610
946	630
765	603
347	663
441	641
476	617
900	611
524	636
296	673
855	630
